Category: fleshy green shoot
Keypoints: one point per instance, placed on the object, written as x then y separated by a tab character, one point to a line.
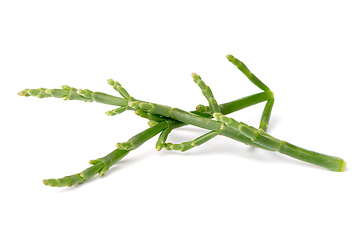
164	119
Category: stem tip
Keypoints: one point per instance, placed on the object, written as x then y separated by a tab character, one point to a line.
343	167
230	57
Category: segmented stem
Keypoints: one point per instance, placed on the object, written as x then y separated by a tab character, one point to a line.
149	116
102	98
163	119
162	138
260	137
264	122
66	93
116	111
184	146
102	165
119	89
205	89
241	66
70	93
192	119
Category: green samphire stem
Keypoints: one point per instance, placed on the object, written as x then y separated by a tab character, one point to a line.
164	119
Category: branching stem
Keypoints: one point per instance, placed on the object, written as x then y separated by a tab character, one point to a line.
164	119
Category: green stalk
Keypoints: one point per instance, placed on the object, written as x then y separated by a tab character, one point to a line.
264	122
163	119
273	144
241	66
69	93
192	119
162	138
248	135
191	144
245	102
103	164
206	92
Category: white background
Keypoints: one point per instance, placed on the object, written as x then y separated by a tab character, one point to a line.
307	52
